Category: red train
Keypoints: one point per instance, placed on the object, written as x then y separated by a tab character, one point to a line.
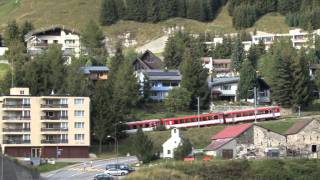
234	116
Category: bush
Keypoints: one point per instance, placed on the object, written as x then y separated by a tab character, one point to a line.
183	150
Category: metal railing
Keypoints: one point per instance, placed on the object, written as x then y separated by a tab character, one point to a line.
54	117
18	129
16	141
16	105
54	105
54	129
54	141
16	117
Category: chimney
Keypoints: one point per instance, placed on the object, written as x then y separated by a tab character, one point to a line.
52	92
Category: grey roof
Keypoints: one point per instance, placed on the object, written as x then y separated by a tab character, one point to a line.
88	69
224	80
161	74
49	28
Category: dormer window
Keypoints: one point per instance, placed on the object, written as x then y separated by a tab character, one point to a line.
21	92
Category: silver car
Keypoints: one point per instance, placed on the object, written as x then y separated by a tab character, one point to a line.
116	172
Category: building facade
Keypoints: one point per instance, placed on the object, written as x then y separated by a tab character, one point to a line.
44	126
69	40
171	144
160	82
96	73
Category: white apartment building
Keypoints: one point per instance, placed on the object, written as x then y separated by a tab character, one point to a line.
69	39
44	126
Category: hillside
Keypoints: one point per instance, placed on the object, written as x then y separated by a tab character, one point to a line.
76	13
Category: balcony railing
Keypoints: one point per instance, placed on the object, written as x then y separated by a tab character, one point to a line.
54	105
54	129
54	141
16	117
45	45
16	141
16	129
16	105
54	117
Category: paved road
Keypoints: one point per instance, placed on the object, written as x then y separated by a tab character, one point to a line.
77	171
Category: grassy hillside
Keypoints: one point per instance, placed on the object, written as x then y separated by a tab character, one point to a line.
76	13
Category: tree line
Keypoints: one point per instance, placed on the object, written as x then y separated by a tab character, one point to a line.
155	10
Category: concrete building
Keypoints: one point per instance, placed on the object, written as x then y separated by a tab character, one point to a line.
171	144
160	81
303	137
44	126
69	39
226	88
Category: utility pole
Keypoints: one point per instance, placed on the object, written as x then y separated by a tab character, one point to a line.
198	111
255	104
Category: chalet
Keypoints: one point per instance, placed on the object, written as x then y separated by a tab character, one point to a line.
241	140
222	67
226	88
147	61
171	144
96	72
38	40
160	81
303	137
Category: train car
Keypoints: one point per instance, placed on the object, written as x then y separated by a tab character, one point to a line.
234	116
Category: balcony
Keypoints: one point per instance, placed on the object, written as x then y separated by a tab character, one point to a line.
16	105
40	45
16	129
54	141
54	129
54	105
16	117
54	117
16	141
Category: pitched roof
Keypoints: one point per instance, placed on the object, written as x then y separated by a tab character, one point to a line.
224	80
221	61
298	126
88	69
217	144
150	60
50	28
162	74
231	131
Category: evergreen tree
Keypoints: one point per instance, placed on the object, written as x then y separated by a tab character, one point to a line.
153	10
283	54
136	10
102	114
26	28
12	33
183	150
121	9
143	147
108	14
194	79
247	80
181	8
178	99
92	39
116	62
238	55
195	10
302	93
56	64
253	55
244	16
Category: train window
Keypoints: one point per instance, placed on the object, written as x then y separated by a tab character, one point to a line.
134	127
215	117
176	121
147	125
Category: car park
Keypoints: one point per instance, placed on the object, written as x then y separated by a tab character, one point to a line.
116	172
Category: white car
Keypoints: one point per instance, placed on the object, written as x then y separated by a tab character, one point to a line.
116	172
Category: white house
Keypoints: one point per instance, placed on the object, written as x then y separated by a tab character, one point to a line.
171	144
3	50
39	40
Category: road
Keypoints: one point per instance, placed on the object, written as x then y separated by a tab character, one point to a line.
77	171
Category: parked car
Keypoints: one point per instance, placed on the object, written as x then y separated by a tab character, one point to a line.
116	172
103	176
121	167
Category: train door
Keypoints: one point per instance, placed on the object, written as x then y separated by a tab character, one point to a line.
224	118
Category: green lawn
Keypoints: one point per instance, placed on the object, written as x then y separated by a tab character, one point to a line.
3	70
51	167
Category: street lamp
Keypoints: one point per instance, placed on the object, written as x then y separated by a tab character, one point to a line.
115	146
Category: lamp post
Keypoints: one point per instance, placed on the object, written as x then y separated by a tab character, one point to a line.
198	111
115	146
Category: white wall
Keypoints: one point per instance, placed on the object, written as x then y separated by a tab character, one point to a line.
3	50
171	144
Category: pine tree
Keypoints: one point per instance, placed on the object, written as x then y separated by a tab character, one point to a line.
247	80
178	99
253	56
56	64
195	10
194	79
282	86
181	8
12	33
136	10
153	10
238	55
92	39
143	147
302	93
109	12
26	28
116	62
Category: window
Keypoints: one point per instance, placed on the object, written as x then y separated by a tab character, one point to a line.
26	101
64	125
226	87
21	92
64	136
79	101
79	113
26	137
314	148
79	137
55	41
25	113
69	41
79	125
64	113
153	93
169	152
64	101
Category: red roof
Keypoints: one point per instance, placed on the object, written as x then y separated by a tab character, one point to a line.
215	144
231	131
